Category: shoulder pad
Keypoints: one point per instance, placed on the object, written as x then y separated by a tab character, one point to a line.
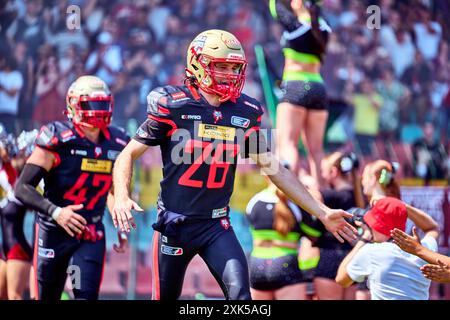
54	134
119	135
250	103
162	99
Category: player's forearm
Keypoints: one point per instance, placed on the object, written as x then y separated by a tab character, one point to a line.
123	170
295	190
26	191
421	219
110	200
342	276
431	256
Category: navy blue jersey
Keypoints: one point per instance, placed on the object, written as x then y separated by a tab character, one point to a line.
260	214
199	144
298	36
82	172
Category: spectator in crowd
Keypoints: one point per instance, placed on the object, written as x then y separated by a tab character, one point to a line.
50	91
439	89
391	274
106	61
11	82
428	34
395	96
30	28
417	78
367	103
398	42
429	155
25	65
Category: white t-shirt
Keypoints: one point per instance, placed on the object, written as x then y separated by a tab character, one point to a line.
428	43
392	273
10	80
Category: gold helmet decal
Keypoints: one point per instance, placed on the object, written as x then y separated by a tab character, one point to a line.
207	49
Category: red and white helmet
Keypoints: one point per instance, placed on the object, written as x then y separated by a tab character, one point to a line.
90	102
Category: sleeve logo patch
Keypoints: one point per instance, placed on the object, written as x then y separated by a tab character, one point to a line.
254	106
210	131
178	95
94	165
240	122
121	142
171	251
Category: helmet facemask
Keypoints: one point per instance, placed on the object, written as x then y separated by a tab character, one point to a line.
228	86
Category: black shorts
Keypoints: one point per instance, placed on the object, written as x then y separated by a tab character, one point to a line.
15	245
58	255
176	243
274	274
329	262
310	94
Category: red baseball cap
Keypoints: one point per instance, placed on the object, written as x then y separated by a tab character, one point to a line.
386	214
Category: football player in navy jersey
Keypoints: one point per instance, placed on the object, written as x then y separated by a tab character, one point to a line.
201	127
75	159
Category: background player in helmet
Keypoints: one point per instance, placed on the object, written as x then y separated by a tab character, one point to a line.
18	252
207	122
8	176
75	158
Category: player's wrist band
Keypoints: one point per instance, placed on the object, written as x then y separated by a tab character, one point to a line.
56	213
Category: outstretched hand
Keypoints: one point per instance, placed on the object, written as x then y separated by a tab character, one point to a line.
410	244
121	214
334	221
439	272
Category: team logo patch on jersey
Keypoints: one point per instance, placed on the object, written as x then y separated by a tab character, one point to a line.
97	152
171	251
94	165
217	213
191	117
217	115
216	132
240	122
225	223
46	253
113	154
